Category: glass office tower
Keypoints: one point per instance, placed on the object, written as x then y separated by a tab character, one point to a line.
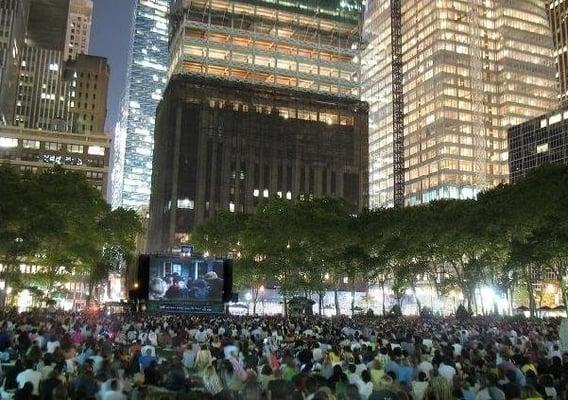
307	45
471	69
134	140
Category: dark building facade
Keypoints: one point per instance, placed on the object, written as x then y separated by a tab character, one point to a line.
13	23
222	145
559	26
47	25
88	77
542	140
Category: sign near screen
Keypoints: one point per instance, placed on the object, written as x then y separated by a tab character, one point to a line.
185	279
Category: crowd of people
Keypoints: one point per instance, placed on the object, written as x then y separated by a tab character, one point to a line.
61	356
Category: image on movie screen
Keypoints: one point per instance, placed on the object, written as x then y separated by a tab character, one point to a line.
173	278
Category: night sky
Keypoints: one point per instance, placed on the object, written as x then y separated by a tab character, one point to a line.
110	37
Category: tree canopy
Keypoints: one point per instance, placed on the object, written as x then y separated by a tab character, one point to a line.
57	220
510	237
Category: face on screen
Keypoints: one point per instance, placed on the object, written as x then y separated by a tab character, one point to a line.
191	279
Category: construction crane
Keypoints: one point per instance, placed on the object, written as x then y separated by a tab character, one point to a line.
477	95
397	103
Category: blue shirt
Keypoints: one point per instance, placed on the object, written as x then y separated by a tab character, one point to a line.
146	361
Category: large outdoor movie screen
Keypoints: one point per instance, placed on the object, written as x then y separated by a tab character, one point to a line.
185	278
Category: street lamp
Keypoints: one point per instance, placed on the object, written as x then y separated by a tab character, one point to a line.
135	285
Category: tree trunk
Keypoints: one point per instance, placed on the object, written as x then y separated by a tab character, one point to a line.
320	301
560	275
511	295
285	304
255	293
353	298
384	298
90	288
532	300
418	304
336	300
483	310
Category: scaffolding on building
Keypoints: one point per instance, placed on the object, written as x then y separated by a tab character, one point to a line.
273	44
477	96
397	104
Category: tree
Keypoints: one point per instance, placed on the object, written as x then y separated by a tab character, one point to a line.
220	235
72	211
111	247
57	220
508	238
250	274
20	227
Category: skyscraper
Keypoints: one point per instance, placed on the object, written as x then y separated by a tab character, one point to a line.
53	70
13	23
89	76
133	145
266	93
470	70
59	104
78	28
307	45
539	141
226	145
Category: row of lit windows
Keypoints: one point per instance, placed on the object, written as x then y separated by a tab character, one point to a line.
9	142
328	117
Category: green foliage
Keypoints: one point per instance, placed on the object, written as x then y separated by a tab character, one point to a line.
507	238
57	220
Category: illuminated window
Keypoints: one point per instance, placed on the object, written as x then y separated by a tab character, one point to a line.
53	146
185	203
542	148
74	148
8	142
265	193
256	192
288	195
31	144
232	207
96	150
555	118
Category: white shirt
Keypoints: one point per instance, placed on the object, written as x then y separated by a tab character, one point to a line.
447	371
365	389
419	389
45	371
201	336
230	350
29	375
189	358
97	362
317	354
153	338
148	347
457	349
113	395
51	346
354	379
426	367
